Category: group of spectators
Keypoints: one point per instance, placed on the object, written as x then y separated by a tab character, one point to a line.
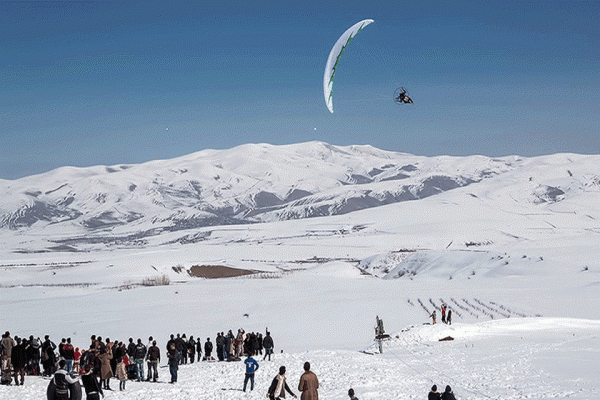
105	358
231	348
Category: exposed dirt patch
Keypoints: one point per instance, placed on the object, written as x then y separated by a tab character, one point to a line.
217	271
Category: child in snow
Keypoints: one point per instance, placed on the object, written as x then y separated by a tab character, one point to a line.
121	373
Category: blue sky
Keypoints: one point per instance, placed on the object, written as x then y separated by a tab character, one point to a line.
86	83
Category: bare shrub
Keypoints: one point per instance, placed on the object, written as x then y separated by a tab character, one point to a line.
161	280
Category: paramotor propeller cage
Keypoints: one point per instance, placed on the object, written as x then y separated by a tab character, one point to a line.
400	94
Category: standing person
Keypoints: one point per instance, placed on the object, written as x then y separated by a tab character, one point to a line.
105	369
268	345
251	368
153	359
220	341
61	381
174	358
239	342
33	355
279	386
208	348
434	394
191	349
121	374
69	354
93	391
309	384
449	317
180	346
260	343
199	349
448	395
19	360
433	317
48	357
76	358
131	349
170	342
351	394
444	313
140	353
7	345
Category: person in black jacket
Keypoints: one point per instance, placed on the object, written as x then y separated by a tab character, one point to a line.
434	394
279	386
33	355
48	357
170	342
61	381
208	348
448	395
90	384
268	345
191	349
19	360
153	358
199	349
174	359
140	354
220	341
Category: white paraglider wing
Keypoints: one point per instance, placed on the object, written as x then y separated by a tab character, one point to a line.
334	58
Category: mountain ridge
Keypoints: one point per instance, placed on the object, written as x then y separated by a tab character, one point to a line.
252	183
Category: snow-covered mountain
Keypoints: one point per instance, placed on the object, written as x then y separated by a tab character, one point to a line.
511	245
125	204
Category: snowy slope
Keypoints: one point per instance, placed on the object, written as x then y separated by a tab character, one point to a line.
246	184
515	254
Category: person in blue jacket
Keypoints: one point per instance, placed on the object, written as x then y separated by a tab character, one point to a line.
251	367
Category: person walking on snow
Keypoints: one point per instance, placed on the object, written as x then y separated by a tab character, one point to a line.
279	386
433	317
309	384
251	368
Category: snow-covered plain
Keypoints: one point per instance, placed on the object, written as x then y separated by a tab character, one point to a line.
518	263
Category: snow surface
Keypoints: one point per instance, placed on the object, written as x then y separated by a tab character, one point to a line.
517	260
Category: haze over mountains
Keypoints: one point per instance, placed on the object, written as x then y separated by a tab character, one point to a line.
253	183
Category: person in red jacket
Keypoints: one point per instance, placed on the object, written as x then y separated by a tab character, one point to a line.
77	355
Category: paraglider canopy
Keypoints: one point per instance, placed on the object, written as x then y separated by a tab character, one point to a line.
334	58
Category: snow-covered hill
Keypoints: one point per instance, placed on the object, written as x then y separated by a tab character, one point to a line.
513	249
81	208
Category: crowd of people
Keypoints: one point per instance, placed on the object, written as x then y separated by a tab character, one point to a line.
105	358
